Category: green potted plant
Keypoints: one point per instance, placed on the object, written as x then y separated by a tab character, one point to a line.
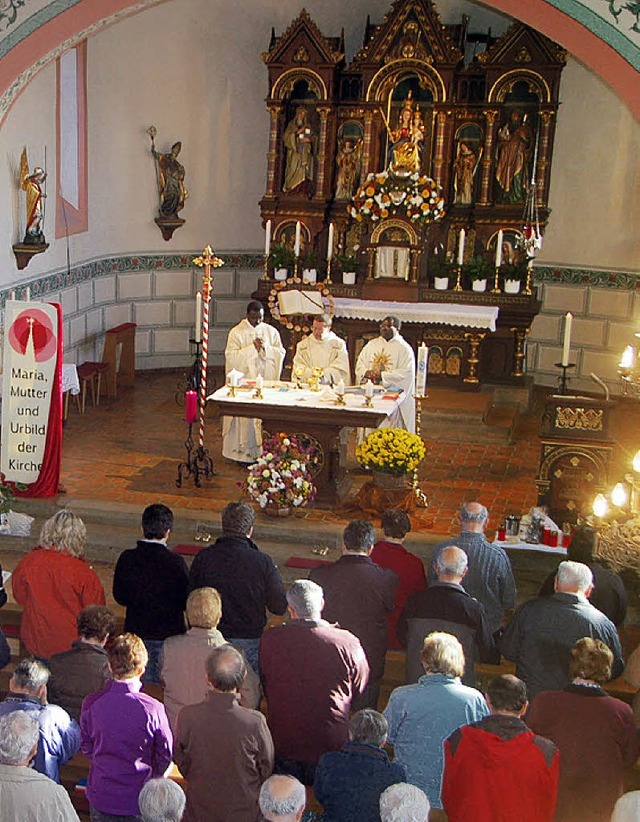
348	265
309	267
442	270
478	270
281	260
513	274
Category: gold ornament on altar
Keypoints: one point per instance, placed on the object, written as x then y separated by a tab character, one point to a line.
314	379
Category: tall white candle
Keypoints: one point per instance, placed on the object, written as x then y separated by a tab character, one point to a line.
330	243
461	247
368	389
499	249
259	382
566	344
296	248
267	239
27	294
421	371
198	330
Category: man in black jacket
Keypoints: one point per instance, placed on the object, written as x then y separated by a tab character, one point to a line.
151	582
246	579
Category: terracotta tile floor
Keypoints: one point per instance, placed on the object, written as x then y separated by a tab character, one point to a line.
128	449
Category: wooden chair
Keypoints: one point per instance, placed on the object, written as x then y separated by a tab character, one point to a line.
119	356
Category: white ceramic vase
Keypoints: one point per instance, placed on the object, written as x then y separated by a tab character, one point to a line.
441	283
280	274
511	286
479	285
349	277
309	275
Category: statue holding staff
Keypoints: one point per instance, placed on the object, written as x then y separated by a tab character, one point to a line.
32	184
170	178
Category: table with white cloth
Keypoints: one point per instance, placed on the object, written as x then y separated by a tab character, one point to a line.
312	414
70	381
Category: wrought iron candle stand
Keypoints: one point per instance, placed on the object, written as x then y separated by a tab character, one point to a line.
197	464
563	379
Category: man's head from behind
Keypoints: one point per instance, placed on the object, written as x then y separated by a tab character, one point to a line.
96	622
238	519
404	803
204	608
305	599
473	517
19	733
506	694
369	727
161	800
128	657
395	523
226	669
591	659
30	677
358	537
574	578
583	544
451	564
157	520
282	799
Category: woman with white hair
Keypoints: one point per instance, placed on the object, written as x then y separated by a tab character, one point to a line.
161	800
53	583
404	803
422	716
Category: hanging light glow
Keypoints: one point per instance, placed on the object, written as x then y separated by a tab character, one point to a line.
600	505
619	495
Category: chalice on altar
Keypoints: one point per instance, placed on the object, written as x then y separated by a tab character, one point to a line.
314	379
298	373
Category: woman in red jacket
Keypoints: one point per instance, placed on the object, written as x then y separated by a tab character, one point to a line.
53	583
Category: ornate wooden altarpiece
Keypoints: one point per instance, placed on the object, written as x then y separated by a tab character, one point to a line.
473	112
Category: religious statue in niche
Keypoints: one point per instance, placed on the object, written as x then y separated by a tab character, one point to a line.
171	188
348	160
465	165
32	185
515	140
407	140
300	141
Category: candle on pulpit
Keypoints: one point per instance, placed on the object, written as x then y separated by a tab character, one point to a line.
461	247
296	247
628	357
330	243
191	406
368	389
27	294
198	329
267	239
259	382
566	343
421	371
499	249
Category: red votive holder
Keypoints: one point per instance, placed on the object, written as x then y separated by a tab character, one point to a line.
553	539
502	533
190	406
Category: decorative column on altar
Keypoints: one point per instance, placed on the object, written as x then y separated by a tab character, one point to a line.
438	160
367	162
487	158
323	111
272	155
199	462
544	148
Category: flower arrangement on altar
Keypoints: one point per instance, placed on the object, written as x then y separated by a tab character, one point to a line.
391	451
417	197
280	478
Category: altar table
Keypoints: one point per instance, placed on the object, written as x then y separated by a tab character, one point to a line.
314	414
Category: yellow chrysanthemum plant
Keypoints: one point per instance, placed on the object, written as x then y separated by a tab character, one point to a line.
391	451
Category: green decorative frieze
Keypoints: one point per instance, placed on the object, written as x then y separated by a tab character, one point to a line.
623	280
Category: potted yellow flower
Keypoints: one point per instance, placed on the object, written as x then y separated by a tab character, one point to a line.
391	454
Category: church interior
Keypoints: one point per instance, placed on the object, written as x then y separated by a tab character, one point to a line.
282	137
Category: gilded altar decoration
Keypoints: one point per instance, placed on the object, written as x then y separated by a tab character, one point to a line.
417	197
579	419
407	139
172	192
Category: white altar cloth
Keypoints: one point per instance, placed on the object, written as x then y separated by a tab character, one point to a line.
467	316
70	381
530	546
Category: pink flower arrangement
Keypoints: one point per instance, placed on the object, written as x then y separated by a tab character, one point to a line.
281	477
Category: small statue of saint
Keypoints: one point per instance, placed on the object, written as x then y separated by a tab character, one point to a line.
407	140
300	143
32	185
349	162
170	176
464	170
514	143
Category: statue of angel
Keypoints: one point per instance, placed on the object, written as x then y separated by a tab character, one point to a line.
32	185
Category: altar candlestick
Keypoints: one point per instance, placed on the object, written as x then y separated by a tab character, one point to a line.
499	249
198	330
368	389
27	294
340	387
421	372
566	344
191	406
296	247
267	239
330	243
461	247
259	382
628	357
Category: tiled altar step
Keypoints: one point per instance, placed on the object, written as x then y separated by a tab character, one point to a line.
486	425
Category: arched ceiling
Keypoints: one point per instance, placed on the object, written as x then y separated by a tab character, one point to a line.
602	34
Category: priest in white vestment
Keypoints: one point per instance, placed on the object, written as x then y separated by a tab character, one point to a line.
389	360
322	349
253	347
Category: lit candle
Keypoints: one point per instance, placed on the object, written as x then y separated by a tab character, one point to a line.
198	330
628	357
191	406
461	247
296	248
259	382
267	239
368	389
27	294
566	344
340	387
421	371
499	249
330	243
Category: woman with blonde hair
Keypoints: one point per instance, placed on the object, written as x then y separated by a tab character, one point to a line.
53	583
